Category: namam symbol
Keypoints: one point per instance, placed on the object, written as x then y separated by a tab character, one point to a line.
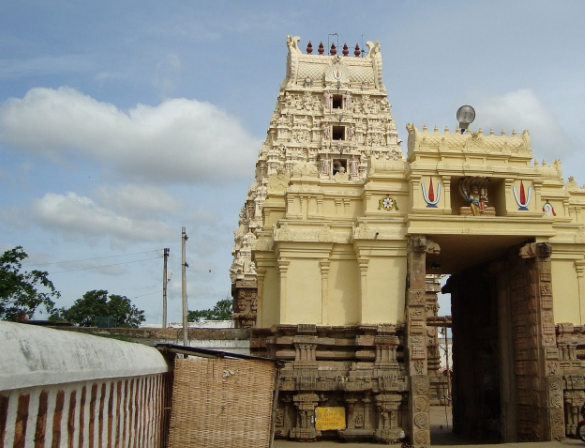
524	200
430	198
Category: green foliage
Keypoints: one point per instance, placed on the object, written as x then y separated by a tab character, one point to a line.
221	311
95	304
21	292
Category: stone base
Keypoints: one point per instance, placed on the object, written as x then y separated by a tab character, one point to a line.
304	434
356	435
389	435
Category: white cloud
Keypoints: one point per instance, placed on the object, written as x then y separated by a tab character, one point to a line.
74	215
179	141
523	110
138	201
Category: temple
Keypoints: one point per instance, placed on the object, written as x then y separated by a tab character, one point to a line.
344	236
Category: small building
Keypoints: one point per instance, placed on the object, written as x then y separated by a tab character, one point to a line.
342	239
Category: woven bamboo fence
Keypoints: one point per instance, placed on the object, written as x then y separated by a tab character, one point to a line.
221	403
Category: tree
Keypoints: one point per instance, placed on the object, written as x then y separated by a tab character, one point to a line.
221	311
22	292
95	304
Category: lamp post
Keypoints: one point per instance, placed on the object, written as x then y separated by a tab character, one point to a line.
465	116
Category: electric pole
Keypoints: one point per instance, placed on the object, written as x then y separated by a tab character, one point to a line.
165	281
184	266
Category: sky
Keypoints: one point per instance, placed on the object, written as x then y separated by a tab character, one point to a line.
122	122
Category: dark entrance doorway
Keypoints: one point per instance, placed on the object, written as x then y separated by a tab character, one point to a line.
506	385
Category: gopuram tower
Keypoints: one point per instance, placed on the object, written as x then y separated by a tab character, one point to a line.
342	240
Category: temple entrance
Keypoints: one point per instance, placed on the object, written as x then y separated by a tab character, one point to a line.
504	374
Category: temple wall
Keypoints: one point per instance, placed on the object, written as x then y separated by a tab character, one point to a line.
327	220
567	305
269	307
343	292
385	290
303	281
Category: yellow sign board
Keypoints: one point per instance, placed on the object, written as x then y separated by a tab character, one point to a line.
329	418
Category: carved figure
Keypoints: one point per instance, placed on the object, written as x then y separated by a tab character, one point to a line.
350	132
262	190
376	56
324	167
474	191
347	100
277	183
248	240
293	43
237	268
328	98
279	418
341	175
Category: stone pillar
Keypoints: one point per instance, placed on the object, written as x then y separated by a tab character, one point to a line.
306	402
580	269
324	291
260	274
548	421
389	430
283	271
386	346
573	401
447	194
305	351
363	262
416	339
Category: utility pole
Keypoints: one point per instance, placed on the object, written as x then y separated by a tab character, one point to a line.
184	266
165	281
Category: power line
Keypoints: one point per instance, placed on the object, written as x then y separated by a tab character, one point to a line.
149	294
103	266
94	258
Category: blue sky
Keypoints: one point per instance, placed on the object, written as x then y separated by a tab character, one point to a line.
121	122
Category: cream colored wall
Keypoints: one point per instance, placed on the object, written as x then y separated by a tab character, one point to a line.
303	293
269	307
386	281
343	292
567	305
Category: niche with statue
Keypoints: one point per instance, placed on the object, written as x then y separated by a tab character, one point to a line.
474	191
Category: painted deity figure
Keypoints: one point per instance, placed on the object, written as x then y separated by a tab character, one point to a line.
474	191
473	199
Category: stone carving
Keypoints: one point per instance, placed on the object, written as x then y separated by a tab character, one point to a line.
474	142
341	175
293	57
278	182
305	169
376	56
327	103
